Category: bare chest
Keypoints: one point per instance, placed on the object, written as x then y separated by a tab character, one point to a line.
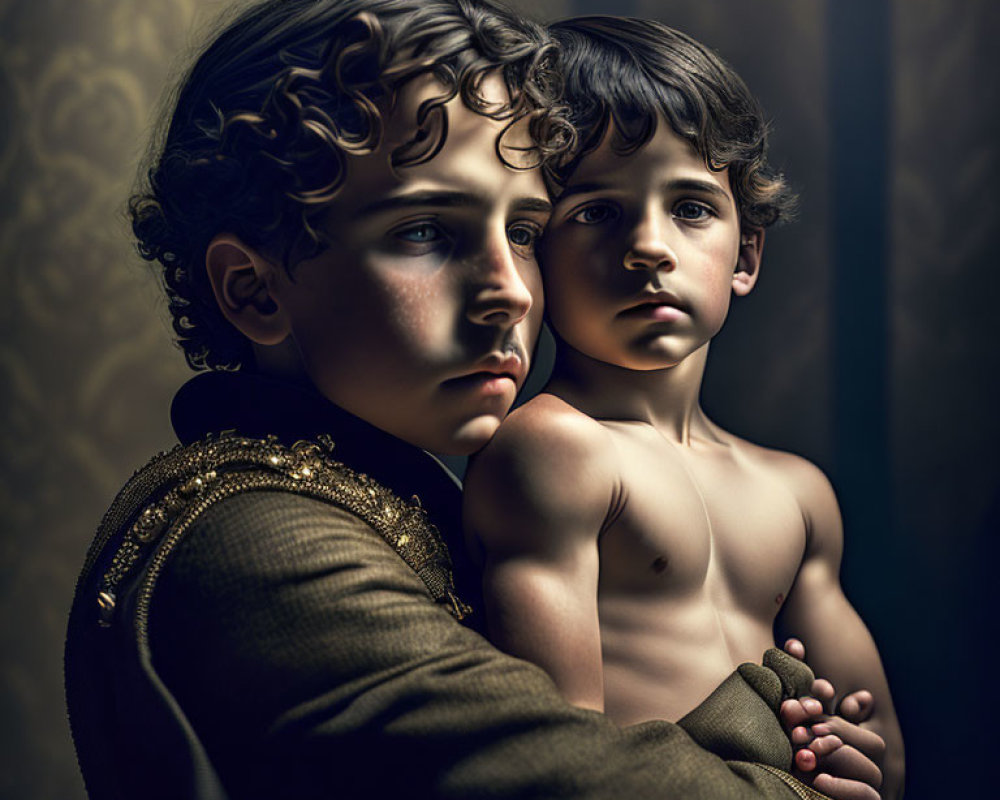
700	521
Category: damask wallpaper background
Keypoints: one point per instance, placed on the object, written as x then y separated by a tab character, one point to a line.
86	363
87	367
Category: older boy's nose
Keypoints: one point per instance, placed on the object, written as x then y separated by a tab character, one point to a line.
649	249
500	295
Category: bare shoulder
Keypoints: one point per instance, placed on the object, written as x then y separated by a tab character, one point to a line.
549	467
807	483
548	427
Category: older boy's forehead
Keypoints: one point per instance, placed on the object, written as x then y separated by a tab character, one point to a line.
402	119
466	170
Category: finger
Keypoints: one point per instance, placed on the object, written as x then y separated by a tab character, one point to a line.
799	712
811	706
846	762
823	691
843	789
795	648
826	745
805	760
857	706
868	742
793	714
800	736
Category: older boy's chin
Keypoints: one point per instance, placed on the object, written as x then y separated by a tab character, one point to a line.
471	435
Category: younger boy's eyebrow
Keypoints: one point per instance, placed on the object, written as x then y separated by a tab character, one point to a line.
695	185
678	184
582	188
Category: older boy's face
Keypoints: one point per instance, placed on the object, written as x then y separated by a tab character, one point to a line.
639	257
422	315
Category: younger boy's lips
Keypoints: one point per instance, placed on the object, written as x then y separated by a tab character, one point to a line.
658	312
661	305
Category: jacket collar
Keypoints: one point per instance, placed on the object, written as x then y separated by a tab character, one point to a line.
256	407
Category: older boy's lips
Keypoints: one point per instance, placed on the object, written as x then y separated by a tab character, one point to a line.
492	375
488	383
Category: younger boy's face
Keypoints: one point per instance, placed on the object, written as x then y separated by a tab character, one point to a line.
640	257
422	315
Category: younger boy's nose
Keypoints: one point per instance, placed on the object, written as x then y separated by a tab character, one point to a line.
500	295
648	248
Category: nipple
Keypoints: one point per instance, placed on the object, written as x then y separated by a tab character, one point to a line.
659	565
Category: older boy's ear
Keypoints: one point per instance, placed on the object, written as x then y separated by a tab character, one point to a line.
748	263
241	280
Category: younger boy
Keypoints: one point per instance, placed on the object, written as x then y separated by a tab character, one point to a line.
631	547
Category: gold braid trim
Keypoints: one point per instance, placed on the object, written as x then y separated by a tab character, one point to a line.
800	789
163	499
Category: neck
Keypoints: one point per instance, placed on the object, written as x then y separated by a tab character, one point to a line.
667	399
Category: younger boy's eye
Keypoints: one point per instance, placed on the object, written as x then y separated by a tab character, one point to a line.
692	211
595	214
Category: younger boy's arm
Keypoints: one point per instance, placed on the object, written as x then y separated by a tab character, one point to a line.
816	611
535	502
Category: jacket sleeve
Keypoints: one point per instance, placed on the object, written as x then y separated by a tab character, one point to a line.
312	662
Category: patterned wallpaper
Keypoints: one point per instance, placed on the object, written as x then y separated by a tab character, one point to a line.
86	363
87	367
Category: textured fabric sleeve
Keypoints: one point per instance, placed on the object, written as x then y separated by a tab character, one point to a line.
313	663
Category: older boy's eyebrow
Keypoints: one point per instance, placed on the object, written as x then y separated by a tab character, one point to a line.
530	204
446	199
439	199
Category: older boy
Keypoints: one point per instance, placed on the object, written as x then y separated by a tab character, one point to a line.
632	547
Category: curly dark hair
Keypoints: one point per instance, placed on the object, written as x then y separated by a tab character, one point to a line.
630	73
265	120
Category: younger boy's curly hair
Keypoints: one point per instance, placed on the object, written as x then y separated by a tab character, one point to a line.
631	73
265	121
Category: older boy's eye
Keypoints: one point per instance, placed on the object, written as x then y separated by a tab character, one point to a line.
595	214
690	210
421	233
524	235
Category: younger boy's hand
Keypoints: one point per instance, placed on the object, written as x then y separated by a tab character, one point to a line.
833	754
857	706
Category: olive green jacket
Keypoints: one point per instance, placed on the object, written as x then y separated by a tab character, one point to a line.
256	620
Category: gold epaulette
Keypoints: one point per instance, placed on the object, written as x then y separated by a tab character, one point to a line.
164	498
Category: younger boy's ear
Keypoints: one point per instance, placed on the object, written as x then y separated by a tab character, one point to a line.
748	263
241	279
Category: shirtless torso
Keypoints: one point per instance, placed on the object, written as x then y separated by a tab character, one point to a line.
700	548
694	546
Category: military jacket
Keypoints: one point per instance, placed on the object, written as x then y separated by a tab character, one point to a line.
272	610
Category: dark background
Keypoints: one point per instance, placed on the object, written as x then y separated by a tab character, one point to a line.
869	346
